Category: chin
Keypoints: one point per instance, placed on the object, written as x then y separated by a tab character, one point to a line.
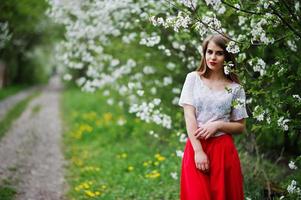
213	68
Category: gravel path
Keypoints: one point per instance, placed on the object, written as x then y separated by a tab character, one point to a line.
9	102
30	152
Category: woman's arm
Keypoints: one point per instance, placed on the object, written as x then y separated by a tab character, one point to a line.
191	126
200	158
208	129
235	127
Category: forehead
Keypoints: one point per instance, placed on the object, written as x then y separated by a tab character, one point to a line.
213	46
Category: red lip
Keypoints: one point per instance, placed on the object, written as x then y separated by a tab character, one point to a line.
212	63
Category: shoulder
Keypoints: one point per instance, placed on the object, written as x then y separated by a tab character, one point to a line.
237	86
192	74
238	90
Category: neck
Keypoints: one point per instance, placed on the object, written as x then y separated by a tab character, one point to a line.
216	76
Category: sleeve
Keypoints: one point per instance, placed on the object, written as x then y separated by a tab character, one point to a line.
186	96
238	109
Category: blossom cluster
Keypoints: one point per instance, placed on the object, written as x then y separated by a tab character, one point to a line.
148	112
5	36
181	21
282	122
258	65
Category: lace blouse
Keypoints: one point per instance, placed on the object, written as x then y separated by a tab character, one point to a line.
213	105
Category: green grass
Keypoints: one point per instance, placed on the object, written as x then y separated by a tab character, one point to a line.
109	161
14	113
8	91
7	191
36	109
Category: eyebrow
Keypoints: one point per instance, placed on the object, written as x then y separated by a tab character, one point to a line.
216	51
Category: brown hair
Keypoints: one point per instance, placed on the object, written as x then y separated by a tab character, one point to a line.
222	42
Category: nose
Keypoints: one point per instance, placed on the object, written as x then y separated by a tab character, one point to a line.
213	56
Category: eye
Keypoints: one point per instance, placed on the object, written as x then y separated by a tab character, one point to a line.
220	53
209	51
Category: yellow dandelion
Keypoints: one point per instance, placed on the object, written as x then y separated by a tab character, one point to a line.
89	193
86	186
89	116
124	155
98	122
107	117
154	174
130	168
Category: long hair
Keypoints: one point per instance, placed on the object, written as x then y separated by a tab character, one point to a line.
222	42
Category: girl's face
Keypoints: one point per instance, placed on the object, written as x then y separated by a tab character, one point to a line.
215	57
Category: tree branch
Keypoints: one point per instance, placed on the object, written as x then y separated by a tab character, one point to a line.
242	10
285	22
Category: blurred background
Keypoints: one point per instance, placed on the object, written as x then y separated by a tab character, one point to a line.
91	89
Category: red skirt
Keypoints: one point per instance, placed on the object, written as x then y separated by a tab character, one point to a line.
224	181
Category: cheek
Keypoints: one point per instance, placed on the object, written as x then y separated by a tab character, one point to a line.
221	59
207	57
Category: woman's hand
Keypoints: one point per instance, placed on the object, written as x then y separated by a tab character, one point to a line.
201	161
206	130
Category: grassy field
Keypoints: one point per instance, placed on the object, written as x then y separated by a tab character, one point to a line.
111	156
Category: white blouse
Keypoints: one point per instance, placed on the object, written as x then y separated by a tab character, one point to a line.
213	105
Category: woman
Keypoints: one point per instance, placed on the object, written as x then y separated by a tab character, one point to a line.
214	109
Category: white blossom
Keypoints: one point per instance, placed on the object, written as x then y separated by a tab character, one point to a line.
292	165
232	47
258	113
121	121
174	175
297	97
292	188
151	40
258	66
148	70
283	123
147	112
110	101
183	138
140	92
189	3
167	80
297	6
212	2
67	77
170	66
175	100
292	45
179	153
5	36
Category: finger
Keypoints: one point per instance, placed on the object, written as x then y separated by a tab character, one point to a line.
207	166
201	134
197	165
203	167
197	131
207	135
200	166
